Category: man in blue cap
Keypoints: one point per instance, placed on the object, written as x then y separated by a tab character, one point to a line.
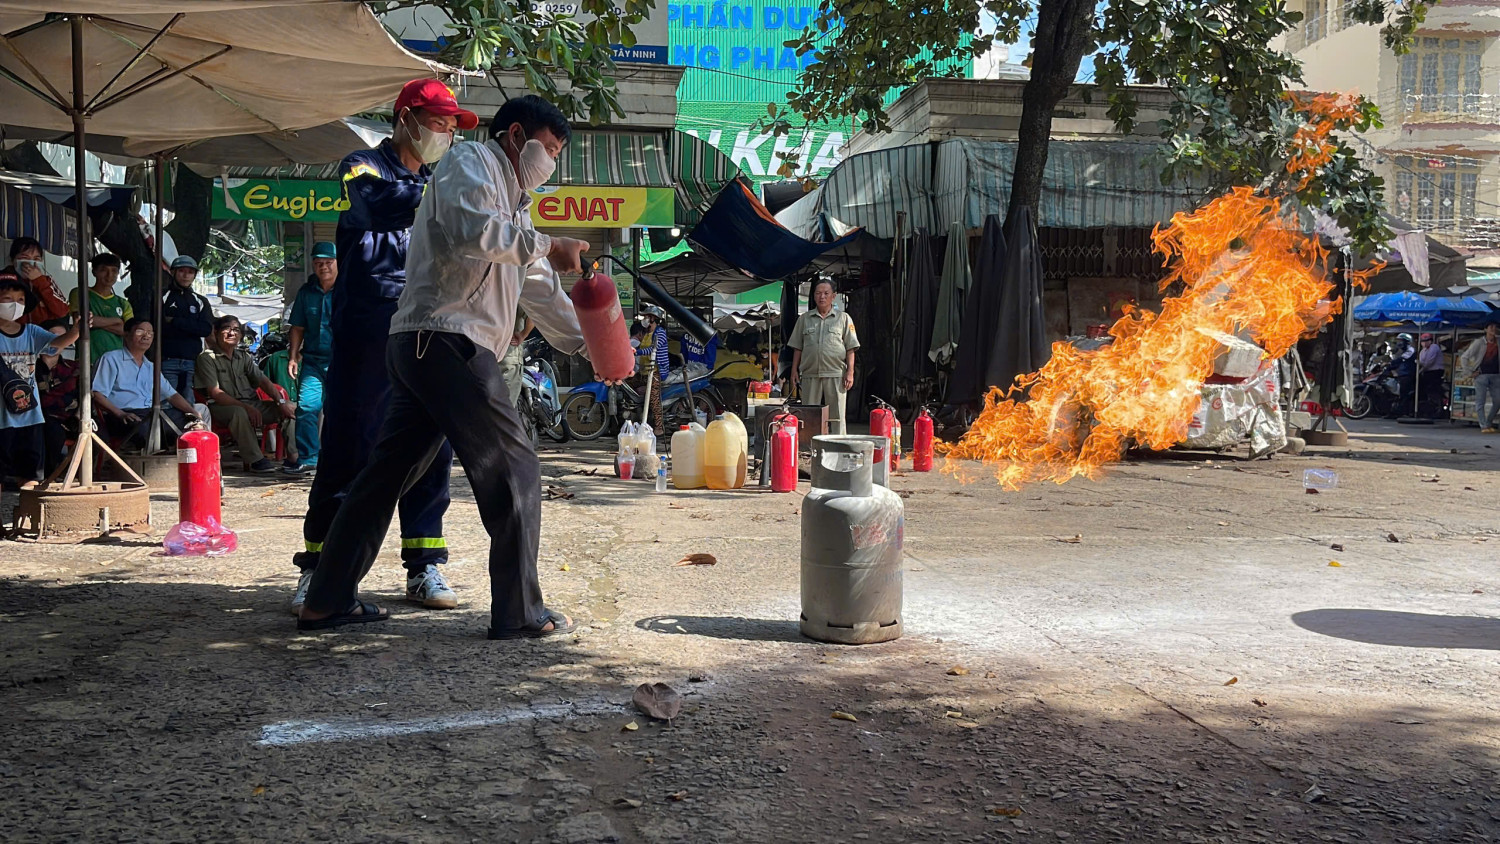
186	318
383	187
310	347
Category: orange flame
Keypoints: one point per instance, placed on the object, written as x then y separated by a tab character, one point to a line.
1243	270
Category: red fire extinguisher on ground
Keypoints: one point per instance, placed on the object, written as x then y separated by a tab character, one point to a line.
198	478
921	442
882	424
784	452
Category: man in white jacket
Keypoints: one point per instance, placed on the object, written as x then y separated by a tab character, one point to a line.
474	256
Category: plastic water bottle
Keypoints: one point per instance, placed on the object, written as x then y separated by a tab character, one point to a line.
1320	480
661	474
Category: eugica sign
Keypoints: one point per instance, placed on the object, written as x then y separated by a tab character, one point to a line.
569	207
278	199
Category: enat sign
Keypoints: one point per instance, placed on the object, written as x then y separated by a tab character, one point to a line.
601	207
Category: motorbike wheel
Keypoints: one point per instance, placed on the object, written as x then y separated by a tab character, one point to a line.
583	417
1361	407
557	431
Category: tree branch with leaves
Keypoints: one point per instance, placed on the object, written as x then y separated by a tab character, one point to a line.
1232	119
567	61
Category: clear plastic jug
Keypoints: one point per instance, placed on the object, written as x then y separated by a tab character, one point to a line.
687	457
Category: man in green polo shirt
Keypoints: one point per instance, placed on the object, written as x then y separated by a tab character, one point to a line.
226	375
110	311
823	344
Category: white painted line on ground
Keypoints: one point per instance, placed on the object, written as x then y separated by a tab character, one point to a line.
304	732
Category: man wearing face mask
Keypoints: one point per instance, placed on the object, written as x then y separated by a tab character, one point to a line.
475	258
383	187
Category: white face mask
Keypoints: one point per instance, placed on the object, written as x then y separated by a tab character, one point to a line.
12	310
429	146
535	165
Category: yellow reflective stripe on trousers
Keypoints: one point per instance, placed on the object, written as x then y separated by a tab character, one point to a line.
425	542
314	547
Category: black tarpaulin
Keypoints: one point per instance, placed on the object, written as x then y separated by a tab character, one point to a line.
980	318
1020	345
920	308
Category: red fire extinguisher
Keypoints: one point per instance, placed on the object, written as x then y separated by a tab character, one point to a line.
882	424
784	453
198	478
921	443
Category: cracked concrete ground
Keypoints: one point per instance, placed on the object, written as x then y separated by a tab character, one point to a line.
1162	655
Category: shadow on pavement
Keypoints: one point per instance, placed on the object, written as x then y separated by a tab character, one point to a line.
726	627
1404	629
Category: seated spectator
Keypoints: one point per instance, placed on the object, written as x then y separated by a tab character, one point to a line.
122	387
227	377
21	422
57	381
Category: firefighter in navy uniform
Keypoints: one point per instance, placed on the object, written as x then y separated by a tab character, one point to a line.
383	188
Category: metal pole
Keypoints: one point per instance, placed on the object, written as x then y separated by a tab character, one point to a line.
153	439
80	197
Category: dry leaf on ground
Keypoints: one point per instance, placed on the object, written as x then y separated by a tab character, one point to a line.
1072	540
677	796
627	803
556	492
957	671
631	727
1007	811
697	560
842	716
658	700
1232	681
1391	537
1336	564
1257	701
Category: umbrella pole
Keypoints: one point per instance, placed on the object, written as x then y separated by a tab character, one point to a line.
153	439
80	197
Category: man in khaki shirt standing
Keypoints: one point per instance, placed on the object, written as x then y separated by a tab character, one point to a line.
823	346
228	378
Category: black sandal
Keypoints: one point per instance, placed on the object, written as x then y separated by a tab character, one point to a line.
560	624
360	613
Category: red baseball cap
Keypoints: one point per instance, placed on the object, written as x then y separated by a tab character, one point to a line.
432	95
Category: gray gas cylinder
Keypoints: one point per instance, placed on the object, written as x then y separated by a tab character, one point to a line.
852	532
880	470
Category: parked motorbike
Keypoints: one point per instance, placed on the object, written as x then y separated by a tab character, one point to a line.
1378	393
593	409
539	404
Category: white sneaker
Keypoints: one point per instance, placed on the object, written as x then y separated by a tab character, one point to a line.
431	589
300	596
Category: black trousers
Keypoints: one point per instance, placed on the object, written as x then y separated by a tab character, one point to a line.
355	398
444	388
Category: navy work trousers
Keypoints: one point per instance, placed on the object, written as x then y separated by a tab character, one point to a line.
355	398
446	389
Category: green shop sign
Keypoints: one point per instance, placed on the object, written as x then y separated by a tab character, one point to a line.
278	199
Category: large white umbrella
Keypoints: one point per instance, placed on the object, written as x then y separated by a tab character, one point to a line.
159	75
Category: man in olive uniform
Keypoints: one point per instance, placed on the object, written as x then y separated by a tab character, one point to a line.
823	346
227	376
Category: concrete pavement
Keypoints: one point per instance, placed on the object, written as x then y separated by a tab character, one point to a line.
1164	654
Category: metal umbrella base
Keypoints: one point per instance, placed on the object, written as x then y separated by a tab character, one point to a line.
68	511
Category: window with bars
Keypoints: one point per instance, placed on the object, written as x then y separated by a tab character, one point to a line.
1436	194
1315	21
1442	76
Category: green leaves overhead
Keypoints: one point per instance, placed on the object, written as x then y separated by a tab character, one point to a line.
565	61
1230	121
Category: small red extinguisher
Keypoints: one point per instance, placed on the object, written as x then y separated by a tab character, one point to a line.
882	424
921	443
198	478
784	453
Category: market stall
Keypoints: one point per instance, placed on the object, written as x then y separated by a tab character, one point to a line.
1393	313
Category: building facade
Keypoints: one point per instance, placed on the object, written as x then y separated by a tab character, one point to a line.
1439	151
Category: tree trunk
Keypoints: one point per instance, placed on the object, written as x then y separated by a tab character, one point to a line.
1064	32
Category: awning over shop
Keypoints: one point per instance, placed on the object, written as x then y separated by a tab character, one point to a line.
59	190
25	214
739	230
697	274
700	171
1087	184
621	159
